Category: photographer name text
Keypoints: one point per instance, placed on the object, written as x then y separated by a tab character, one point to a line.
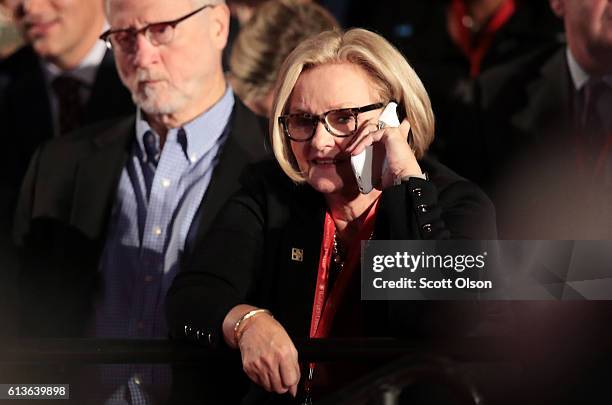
410	264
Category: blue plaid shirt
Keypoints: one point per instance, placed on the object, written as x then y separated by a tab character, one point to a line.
159	194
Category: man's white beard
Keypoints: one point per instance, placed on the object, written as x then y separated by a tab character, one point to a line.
150	102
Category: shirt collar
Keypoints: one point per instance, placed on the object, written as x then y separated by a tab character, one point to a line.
201	133
86	71
579	76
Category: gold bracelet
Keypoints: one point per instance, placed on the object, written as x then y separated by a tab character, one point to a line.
254	312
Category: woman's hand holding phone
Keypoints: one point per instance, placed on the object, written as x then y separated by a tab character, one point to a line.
386	142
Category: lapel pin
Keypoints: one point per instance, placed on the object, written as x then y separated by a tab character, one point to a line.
297	255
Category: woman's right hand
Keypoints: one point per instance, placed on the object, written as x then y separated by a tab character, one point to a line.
269	357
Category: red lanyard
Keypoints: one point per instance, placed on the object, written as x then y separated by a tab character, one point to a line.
476	52
326	302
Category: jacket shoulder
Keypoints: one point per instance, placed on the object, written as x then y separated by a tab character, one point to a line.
266	177
70	148
442	176
247	131
507	78
92	157
446	179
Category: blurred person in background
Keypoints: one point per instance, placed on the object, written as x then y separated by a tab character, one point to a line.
243	10
304	212
451	42
545	125
240	11
107	215
63	78
276	28
543	153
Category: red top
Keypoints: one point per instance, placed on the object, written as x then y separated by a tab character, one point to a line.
326	302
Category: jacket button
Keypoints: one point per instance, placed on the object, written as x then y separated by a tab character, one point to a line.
423	208
417	191
188	330
210	338
427	228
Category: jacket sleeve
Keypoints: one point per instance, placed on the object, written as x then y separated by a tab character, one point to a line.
420	209
221	274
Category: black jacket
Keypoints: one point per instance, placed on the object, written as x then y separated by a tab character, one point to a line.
25	112
246	257
523	152
64	210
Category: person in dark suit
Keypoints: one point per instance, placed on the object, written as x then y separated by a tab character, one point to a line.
540	152
62	58
63	77
107	214
305	211
543	126
451	42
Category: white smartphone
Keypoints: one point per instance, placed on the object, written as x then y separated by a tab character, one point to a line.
362	163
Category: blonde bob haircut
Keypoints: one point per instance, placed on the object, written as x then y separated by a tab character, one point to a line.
388	69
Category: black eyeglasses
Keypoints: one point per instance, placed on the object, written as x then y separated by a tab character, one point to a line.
341	122
159	33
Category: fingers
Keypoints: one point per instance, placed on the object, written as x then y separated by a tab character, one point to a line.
269	357
290	374
258	376
366	137
395	150
286	375
293	391
274	372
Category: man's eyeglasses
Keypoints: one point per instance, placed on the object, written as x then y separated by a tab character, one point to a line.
159	33
341	123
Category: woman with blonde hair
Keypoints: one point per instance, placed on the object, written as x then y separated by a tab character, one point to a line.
283	258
